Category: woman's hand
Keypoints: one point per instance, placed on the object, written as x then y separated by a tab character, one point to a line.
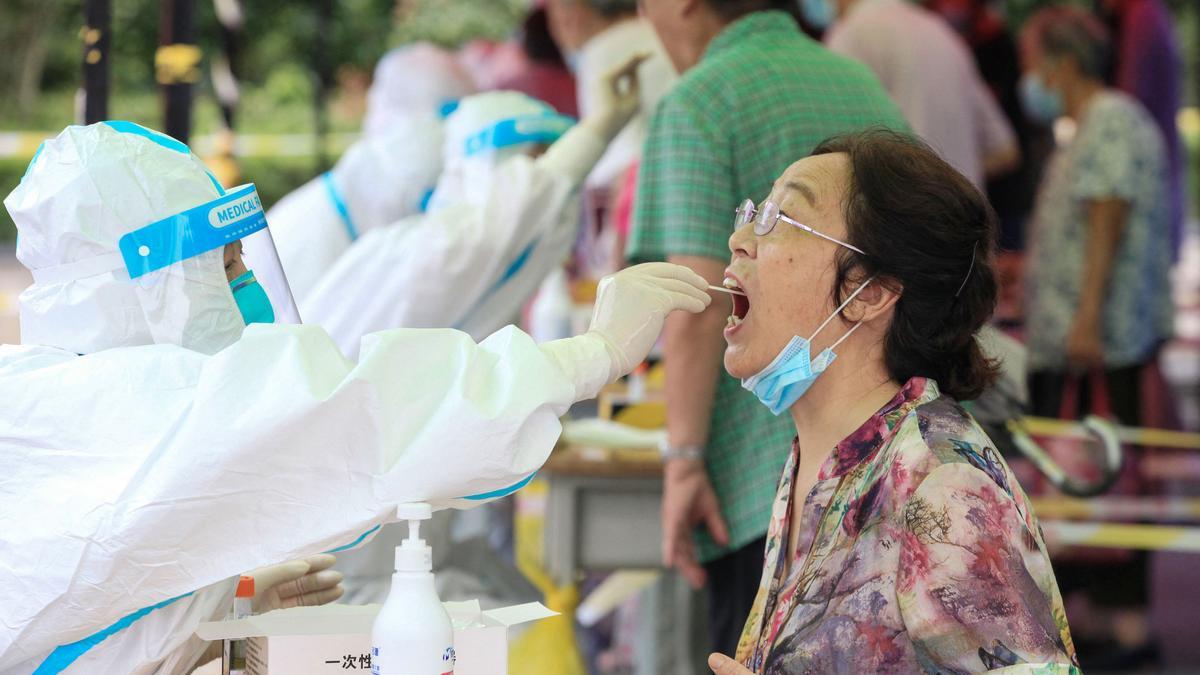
723	665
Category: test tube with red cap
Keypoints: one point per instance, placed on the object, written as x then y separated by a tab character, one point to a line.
233	653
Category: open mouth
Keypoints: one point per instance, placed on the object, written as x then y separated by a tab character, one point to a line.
741	303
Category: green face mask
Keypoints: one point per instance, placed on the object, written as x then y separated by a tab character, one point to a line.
251	299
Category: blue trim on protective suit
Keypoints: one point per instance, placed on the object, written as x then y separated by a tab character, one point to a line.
340	205
62	657
356	542
509	273
502	492
36	154
122	126
164	140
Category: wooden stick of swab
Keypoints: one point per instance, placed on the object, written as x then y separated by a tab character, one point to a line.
725	290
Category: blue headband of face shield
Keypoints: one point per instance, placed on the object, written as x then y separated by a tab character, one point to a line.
543	128
232	216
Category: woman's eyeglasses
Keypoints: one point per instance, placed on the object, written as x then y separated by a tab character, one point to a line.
770	214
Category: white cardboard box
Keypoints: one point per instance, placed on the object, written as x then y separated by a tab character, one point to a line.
337	638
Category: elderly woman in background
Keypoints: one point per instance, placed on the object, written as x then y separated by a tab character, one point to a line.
899	540
1099	295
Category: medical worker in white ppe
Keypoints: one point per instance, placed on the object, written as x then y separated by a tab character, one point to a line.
499	220
385	176
155	446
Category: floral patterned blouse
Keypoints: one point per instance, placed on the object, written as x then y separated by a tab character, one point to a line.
918	552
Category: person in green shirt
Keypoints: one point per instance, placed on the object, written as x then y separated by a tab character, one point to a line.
755	95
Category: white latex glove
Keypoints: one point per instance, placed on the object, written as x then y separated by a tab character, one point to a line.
618	101
632	306
296	583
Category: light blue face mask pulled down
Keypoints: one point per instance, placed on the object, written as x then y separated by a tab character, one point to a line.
1042	104
251	299
793	371
818	13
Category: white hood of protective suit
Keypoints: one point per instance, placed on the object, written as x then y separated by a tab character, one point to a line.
379	181
468	179
413	80
84	190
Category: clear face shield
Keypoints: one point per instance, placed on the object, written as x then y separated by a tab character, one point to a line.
203	274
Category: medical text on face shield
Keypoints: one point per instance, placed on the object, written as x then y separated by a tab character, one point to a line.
235	212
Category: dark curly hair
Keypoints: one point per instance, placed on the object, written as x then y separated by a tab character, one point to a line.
928	233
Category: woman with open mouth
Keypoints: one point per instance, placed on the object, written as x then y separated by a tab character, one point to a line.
899	540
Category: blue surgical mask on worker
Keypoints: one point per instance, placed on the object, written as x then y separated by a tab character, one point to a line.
1041	103
817	13
251	299
793	371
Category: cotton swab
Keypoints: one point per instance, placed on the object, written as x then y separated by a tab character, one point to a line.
725	290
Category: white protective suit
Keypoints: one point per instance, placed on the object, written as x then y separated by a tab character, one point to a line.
497	224
417	79
383	177
378	181
141	476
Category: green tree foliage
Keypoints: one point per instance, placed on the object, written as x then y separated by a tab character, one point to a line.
452	23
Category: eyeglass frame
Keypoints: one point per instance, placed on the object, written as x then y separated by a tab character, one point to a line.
745	214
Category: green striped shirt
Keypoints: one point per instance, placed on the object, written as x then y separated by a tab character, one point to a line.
761	98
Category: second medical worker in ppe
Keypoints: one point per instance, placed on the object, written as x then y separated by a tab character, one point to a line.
155	446
498	222
384	177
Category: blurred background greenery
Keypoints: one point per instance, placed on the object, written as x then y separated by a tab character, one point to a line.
276	71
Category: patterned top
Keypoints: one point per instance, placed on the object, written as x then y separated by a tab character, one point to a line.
918	552
762	97
1117	152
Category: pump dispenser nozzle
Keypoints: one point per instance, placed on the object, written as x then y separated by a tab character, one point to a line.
412	634
413	554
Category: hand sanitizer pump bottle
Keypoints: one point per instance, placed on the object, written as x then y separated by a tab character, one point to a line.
412	634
